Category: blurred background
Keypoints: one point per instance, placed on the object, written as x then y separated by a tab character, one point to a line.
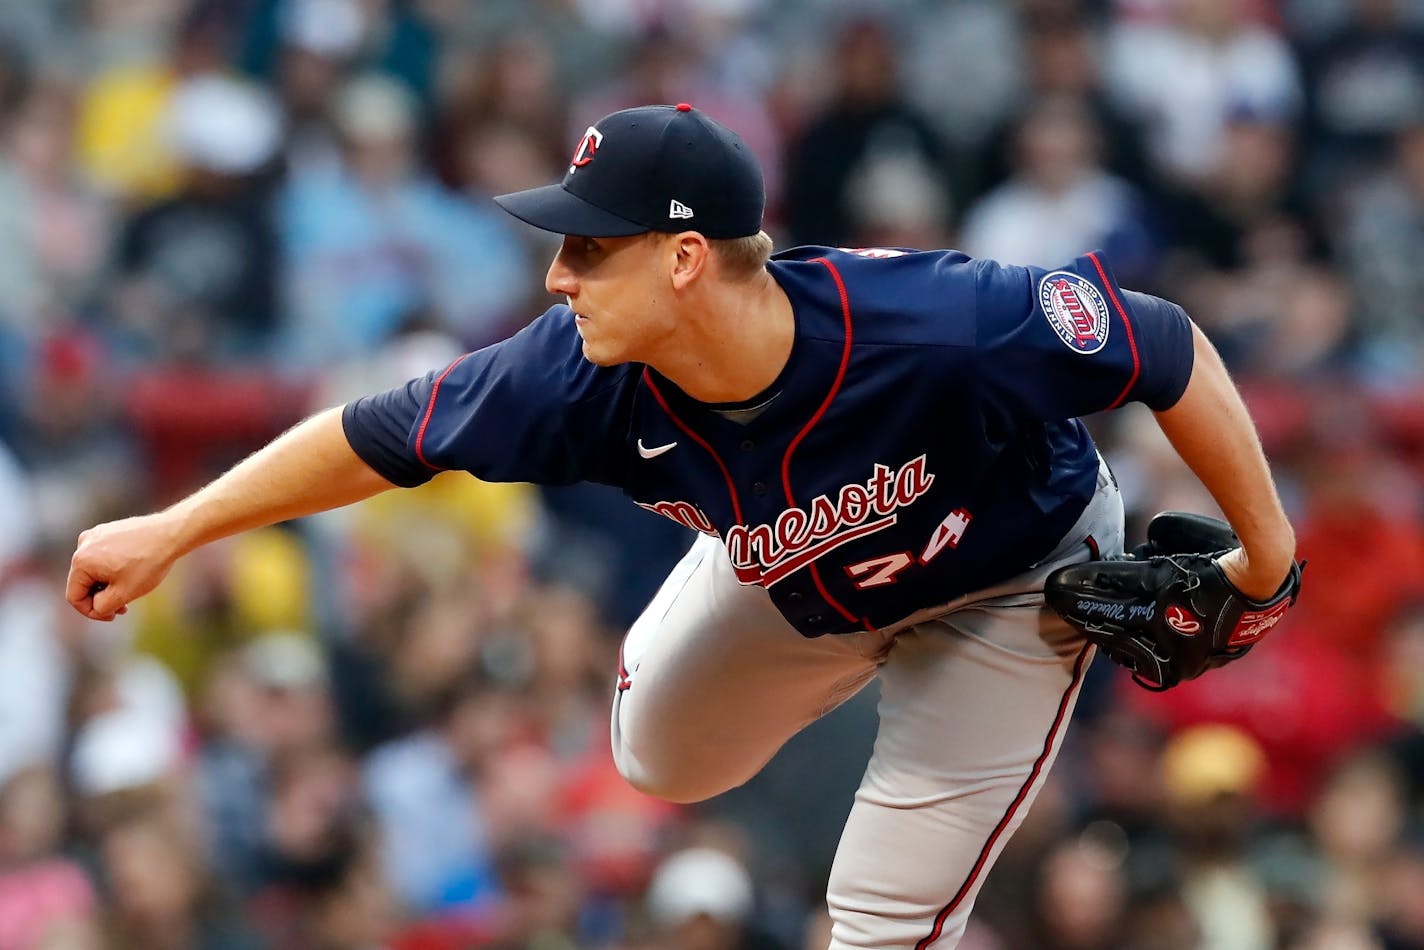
387	727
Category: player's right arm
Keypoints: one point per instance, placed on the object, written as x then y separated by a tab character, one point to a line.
310	468
527	409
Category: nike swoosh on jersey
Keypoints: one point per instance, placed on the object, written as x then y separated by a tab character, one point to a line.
653	453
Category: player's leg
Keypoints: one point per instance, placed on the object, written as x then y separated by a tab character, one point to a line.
974	706
713	681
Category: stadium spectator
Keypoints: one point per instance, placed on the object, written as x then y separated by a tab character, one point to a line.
868	134
1365	84
1183	78
1061	197
197	270
1381	235
370	245
436	839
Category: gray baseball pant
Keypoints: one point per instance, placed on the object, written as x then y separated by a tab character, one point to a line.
976	695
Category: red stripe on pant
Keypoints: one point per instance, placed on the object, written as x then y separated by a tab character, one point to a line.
624	681
1079	665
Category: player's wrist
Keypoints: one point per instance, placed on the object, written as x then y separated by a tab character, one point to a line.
1260	577
178	529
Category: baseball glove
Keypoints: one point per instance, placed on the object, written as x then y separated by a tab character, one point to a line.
1166	611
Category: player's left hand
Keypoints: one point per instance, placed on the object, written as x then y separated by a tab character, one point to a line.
1171	609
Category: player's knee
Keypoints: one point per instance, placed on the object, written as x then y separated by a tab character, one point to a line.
679	792
672	781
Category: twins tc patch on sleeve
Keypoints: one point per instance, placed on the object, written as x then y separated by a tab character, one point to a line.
1075	309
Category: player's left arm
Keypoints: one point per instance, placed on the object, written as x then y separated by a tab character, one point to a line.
1070	342
1212	431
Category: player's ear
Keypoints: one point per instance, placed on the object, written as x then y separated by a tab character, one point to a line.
690	256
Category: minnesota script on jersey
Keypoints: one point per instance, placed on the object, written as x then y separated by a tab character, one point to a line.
884	471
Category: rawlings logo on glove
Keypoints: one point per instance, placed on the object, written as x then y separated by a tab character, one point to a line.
1166	611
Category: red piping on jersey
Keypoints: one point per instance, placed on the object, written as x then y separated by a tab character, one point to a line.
1092	544
1127	325
1078	667
430	411
830	396
731	486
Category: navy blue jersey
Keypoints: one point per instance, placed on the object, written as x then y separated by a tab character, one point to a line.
921	442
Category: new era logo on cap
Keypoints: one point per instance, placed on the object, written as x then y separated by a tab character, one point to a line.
647	169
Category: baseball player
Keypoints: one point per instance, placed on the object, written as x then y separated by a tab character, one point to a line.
880	452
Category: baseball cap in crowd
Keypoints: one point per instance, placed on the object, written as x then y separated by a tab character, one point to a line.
284	660
700	881
224	125
329	28
122	749
1203	762
653	168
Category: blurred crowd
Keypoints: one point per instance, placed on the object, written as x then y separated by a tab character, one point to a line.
387	727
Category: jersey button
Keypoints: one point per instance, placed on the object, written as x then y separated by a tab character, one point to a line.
758	488
747	445
795	597
815	619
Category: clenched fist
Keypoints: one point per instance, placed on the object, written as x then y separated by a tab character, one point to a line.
118	562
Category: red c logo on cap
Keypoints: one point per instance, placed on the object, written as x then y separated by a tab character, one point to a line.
587	148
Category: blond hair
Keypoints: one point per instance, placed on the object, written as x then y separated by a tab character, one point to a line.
740	258
744	256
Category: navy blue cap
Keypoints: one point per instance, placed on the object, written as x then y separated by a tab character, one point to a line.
653	168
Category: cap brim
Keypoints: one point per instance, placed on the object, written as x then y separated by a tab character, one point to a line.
553	208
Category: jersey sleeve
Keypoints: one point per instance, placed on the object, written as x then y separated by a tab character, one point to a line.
527	409
1055	344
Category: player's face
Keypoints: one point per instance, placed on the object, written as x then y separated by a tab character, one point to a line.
619	291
